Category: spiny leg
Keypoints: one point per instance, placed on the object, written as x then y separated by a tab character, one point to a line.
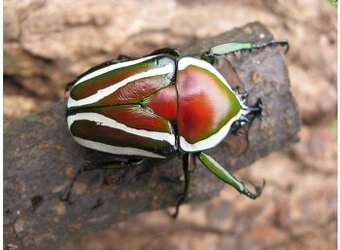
66	195
188	168
232	47
227	177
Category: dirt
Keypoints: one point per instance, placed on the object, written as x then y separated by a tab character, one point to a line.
298	208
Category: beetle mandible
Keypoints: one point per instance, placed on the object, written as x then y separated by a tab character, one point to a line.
158	106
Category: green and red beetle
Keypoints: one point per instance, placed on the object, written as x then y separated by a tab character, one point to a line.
158	106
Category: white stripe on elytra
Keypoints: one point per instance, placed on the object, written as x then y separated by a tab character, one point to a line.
169	68
114	149
217	137
112	67
108	122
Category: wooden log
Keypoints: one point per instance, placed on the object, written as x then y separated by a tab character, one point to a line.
40	158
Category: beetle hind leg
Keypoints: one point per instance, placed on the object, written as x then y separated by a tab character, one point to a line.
189	166
113	165
66	195
228	178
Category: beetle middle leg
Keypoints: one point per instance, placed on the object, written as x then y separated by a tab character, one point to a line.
109	165
189	165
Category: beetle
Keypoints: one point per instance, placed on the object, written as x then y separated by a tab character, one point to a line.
158	106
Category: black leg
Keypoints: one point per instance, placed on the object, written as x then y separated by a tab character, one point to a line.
122	58
68	86
188	168
282	42
168	51
66	195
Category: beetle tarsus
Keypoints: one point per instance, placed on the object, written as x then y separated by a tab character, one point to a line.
228	178
68	191
175	214
258	190
280	42
67	197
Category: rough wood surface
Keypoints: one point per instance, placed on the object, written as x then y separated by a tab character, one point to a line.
40	157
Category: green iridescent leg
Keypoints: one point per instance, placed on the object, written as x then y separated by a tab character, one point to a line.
237	46
188	168
228	178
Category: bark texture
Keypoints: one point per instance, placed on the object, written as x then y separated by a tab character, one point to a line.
40	158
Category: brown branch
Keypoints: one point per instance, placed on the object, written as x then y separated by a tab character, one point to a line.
40	157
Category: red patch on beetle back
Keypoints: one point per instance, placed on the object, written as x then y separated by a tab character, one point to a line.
205	103
135	116
93	85
135	91
164	103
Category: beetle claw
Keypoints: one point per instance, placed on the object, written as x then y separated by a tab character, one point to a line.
66	197
258	190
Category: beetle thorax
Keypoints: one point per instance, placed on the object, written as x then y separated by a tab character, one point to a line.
207	106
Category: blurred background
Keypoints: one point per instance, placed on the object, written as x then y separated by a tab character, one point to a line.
48	43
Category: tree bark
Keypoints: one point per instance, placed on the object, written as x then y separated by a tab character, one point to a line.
40	157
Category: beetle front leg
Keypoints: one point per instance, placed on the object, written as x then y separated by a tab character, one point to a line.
237	46
189	166
227	177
